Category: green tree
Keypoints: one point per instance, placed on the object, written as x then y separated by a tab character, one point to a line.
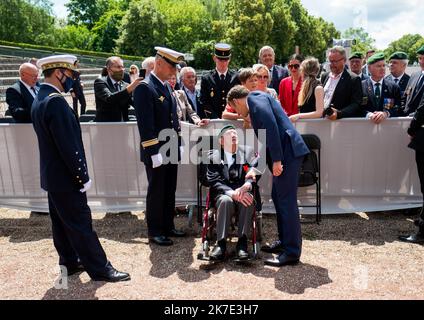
409	44
364	42
75	37
143	27
249	27
106	30
87	12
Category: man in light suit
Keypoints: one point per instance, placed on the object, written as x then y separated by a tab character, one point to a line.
20	96
285	150
277	73
415	88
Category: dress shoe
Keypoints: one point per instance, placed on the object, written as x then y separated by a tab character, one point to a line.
218	252
413	238
275	247
282	260
113	275
419	222
71	270
176	233
161	241
40	213
241	248
411	212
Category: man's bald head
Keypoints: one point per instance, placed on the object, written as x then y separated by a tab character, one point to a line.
28	73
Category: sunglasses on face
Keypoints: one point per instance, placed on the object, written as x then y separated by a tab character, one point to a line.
262	77
294	66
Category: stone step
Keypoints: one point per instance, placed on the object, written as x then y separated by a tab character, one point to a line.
15	72
8	81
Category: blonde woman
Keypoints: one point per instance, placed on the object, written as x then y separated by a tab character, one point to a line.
263	75
311	95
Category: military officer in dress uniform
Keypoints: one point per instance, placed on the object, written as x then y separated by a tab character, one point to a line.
64	173
217	83
415	87
398	62
381	96
156	110
355	64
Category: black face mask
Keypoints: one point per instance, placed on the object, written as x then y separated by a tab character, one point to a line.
68	84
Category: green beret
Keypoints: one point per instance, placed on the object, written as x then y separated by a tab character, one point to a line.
421	50
375	58
226	128
399	55
356	55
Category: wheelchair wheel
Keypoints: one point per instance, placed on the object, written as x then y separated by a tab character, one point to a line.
259	226
206	248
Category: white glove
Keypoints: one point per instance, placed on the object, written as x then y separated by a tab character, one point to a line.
87	186
157	160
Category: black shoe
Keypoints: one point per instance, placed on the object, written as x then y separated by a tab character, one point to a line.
176	233
282	260
413	238
411	212
218	252
241	248
275	247
419	222
161	241
113	276
40	213
71	270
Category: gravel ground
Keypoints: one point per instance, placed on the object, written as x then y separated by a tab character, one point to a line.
354	256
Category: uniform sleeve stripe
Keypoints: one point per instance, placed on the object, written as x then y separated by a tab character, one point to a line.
150	143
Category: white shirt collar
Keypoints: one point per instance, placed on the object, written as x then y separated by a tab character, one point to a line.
219	73
28	88
374	82
229	157
53	86
163	82
335	77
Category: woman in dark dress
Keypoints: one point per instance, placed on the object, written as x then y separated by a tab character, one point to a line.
311	95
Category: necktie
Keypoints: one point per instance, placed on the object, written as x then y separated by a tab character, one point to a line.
396	80
34	90
377	92
222	77
117	86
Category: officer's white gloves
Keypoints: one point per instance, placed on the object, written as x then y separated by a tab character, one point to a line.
87	186
157	160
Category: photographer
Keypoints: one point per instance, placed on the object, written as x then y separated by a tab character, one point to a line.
342	88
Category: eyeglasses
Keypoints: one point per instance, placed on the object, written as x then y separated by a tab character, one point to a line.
262	77
335	61
294	66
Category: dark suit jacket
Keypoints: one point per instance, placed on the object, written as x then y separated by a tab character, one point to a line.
200	112
111	105
20	101
416	129
278	74
63	166
283	142
389	90
222	178
213	95
402	83
347	97
156	109
412	99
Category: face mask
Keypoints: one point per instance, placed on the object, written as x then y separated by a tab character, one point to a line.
118	75
68	84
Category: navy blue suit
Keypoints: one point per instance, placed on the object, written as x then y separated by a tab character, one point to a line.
63	171
285	144
389	90
278	74
156	110
402	83
20	101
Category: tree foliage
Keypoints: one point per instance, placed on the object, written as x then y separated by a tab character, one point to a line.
364	42
409	44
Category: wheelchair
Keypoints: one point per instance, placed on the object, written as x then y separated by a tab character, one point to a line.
207	216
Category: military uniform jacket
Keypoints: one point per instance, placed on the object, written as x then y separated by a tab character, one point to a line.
63	166
412	98
213	93
416	128
389	90
111	105
20	101
156	110
403	82
222	178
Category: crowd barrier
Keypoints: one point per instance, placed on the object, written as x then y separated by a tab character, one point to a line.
364	167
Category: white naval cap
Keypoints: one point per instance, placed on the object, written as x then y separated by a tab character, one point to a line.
171	56
66	61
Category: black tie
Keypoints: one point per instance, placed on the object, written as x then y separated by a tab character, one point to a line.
117	86
377	92
222	77
396	81
34	90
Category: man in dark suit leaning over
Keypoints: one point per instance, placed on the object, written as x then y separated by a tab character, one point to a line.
20	96
113	95
230	191
416	132
277	73
285	150
156	110
64	174
381	95
342	88
415	87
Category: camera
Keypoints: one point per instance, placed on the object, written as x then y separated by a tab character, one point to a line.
142	73
328	111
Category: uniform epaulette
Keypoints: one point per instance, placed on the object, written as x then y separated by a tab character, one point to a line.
54	94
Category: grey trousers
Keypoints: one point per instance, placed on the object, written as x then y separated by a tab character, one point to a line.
225	207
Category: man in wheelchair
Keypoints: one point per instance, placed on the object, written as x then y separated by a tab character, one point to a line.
231	191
